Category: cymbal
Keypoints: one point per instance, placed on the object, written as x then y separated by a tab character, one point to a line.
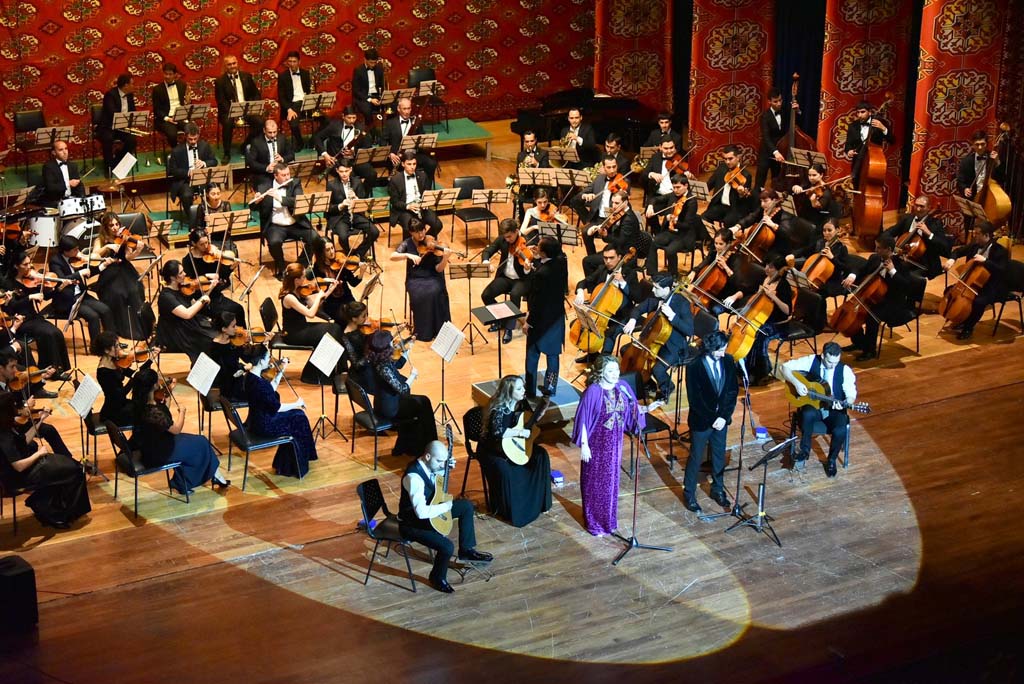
111	187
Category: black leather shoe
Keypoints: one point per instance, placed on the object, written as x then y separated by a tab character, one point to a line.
721	499
442	586
42	393
965	334
506	337
493	327
866	356
850	348
830	468
63	377
692	505
476	556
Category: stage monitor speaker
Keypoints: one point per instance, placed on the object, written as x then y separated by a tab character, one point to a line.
17	595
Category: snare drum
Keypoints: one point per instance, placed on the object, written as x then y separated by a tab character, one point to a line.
45	228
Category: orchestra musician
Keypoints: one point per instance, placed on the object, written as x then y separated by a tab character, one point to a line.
839	377
579	136
895	304
301	322
678	234
592	203
777	288
415	512
114	380
835	250
658	178
235	85
620	274
327	266
214	204
711	390
28	287
167	97
542	210
920	220
545	319
353	339
729	204
11	343
120	98
393	399
25	397
267	151
406	189
203	259
986	250
184	323
821	205
398	127
97	314
510	276
768	156
530	157
61	177
663	132
676	310
864	124
277	220
293	85
229	356
970	174
345	188
730	264
620	230
613	148
338	140
368	86
424	281
773	216
119	286
184	160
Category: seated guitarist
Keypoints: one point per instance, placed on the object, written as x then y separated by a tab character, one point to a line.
840	379
415	512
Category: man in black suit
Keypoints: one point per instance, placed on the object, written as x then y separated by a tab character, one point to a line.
658	179
401	125
340	221
676	310
622	232
120	98
266	151
98	316
406	189
510	276
580	137
663	132
613	148
711	390
678	234
995	258
531	157
865	125
923	222
235	85
729	204
768	156
592	202
293	84
61	178
978	167
617	273
183	161
277	218
368	86
167	97
339	140
895	306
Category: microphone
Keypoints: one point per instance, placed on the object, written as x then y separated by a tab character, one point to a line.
743	367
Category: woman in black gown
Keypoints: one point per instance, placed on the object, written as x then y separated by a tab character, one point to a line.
296	312
113	379
353	339
219	274
228	356
184	326
518	493
50	344
425	283
60	495
118	285
394	399
325	261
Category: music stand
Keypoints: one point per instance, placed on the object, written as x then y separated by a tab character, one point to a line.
806	158
369	206
418	143
970	208
325	359
226	221
563	155
371	155
788	205
45	137
535	177
632	542
69	323
159	231
438	200
564	233
300	168
574	179
498	314
762	521
190	112
446	345
313	203
246	110
470	271
314	104
699	190
431	89
647	152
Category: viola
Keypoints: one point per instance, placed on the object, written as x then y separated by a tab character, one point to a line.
677	210
128	240
614	215
34	415
351	263
430	245
274	368
30	376
551	215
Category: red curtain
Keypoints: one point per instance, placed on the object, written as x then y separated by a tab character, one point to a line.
865	59
493	56
634	50
731	72
957	84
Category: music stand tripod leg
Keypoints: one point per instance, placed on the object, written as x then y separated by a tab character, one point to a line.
632	542
442	412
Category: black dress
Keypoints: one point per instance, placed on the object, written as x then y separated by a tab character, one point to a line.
355	359
330	307
116	406
60	495
227	356
413	413
517	493
190	336
428	293
299	331
119	288
219	302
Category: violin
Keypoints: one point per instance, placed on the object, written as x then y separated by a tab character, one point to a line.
737	179
351	264
614	215
225	258
140	354
165	390
14	232
618	183
253	335
551	215
127	240
47	280
30	376
430	245
521	251
33	415
372	325
274	368
677	164
320	285
189	287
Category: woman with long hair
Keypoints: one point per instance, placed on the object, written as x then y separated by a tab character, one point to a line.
226	354
424	281
118	285
325	257
353	339
113	379
395	401
298	312
184	325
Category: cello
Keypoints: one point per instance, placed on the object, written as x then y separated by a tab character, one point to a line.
869	202
819	268
605	302
751	319
795	138
849	318
640	355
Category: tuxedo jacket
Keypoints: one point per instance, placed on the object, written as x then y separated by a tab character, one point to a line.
224	92
111	106
854	142
656	137
654	165
717	180
501	247
393	132
291	191
337	190
178	163
936	248
588	150
545	300
966	174
771	133
396	191
542	157
64	298
329	138
897	295
162	103
710	401
257	155
997	262
285	91
53	183
688	223
361	82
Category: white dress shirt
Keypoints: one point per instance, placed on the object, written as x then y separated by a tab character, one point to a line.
297	92
172	96
282	215
413	483
371	84
239	90
848	381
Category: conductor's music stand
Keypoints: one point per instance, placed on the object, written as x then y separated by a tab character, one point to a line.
469	272
497	314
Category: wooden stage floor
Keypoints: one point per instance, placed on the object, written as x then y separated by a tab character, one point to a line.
906	567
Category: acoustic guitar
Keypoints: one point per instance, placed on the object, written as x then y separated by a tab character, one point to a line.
819	396
442	523
519	449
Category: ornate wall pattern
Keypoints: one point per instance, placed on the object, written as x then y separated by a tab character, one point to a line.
493	56
634	50
730	74
865	48
957	84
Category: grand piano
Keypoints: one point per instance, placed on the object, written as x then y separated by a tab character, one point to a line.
625	116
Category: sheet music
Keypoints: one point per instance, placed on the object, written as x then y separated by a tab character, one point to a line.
500	311
85	396
325	356
124	167
203	373
448	340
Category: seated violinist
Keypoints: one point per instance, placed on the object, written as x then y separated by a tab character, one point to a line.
329	266
895	305
620	229
676	310
227	350
658	176
771	224
205	261
593	201
353	339
777	295
184	324
511	272
680	229
830	247
542	211
113	377
66	262
28	286
424	280
730	186
925	244
816	203
986	251
17	382
119	286
393	399
301	323
618	272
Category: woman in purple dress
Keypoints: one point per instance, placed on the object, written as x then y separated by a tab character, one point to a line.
608	409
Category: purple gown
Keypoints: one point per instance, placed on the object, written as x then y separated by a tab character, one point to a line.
607	416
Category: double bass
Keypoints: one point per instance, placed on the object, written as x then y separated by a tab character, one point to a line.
991	195
869	202
795	138
605	302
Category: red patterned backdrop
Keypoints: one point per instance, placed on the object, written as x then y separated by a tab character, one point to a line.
634	50
730	74
865	58
493	55
957	84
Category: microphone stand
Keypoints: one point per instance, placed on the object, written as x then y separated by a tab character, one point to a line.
762	521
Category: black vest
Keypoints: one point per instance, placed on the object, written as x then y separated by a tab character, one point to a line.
815	375
406	512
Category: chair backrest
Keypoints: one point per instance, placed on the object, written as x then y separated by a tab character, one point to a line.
268	314
1015	276
918	283
417	76
810	309
466	186
122	450
95	115
29	120
472	427
644	239
358	395
704	324
371	500
135	222
192	211
231	413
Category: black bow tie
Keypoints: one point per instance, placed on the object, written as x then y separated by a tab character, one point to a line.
192	149
408	177
981	158
60	163
405	121
347	127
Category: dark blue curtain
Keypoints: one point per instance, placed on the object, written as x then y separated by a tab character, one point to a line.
799	46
